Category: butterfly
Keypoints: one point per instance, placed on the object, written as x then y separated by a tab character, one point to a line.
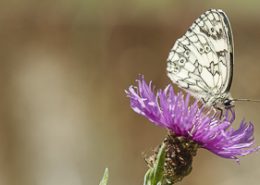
201	61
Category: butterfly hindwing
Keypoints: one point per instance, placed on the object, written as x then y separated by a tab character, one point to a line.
201	61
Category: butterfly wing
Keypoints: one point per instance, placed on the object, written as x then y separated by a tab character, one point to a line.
201	61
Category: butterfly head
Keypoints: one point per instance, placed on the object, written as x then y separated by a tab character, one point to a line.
228	103
223	101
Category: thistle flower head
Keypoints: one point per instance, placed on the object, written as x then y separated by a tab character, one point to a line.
177	113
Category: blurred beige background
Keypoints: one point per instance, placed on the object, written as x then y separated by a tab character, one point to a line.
64	68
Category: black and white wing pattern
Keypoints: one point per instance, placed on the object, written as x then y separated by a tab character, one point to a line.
201	61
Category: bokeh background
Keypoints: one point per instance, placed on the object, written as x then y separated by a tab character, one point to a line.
64	68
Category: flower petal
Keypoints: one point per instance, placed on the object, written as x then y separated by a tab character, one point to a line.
167	109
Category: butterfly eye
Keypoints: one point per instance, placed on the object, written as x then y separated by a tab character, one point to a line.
201	50
182	61
207	49
176	69
173	68
228	103
221	53
186	53
212	30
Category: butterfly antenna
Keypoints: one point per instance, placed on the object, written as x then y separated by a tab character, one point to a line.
242	99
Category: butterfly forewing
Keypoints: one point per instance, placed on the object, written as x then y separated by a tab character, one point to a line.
201	61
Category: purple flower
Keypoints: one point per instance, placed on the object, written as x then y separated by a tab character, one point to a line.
167	109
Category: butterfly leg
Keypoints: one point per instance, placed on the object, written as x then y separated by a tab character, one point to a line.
229	114
220	112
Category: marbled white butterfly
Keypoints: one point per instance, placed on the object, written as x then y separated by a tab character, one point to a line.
201	61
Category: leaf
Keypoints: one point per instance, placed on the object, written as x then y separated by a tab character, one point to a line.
154	175
158	168
105	178
147	177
